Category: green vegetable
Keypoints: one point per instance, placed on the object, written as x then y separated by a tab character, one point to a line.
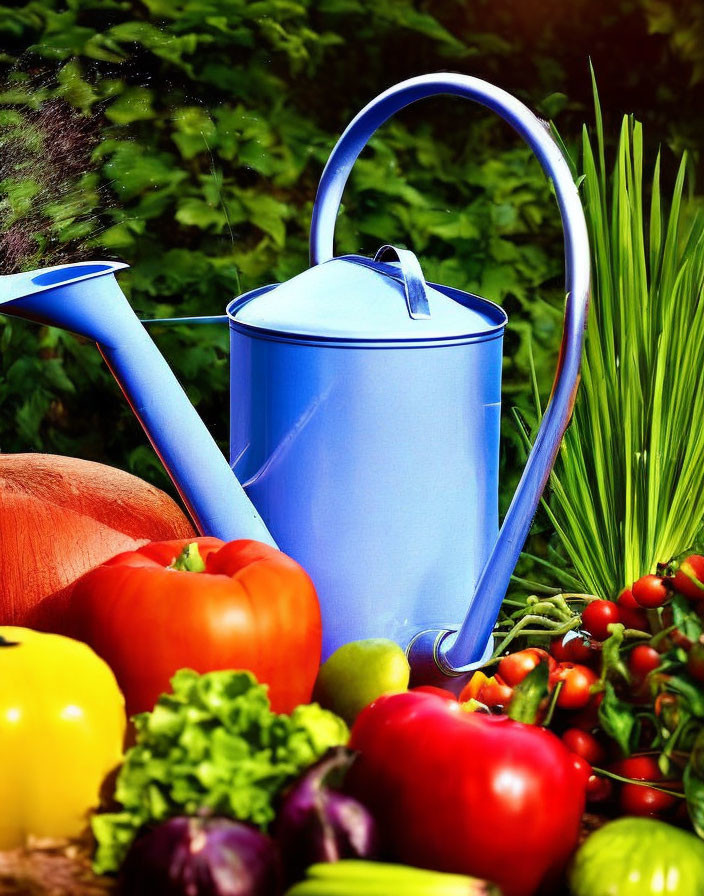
627	482
212	744
359	672
528	695
618	720
354	877
638	857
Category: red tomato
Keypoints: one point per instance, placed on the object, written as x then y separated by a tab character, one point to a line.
642	661
494	693
514	667
636	619
584	769
689	578
584	744
639	768
439	692
650	592
577	681
576	650
251	608
597	616
695	662
635	799
632	614
626	601
467	792
598	789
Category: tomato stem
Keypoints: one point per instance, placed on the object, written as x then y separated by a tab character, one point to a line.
606	774
551	628
662	634
553	703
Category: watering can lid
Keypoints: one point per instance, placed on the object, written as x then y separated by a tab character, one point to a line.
353	298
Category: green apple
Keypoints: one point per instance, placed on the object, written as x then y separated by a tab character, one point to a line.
359	672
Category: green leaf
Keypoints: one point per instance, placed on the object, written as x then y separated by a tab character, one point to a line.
267	213
693	779
74	88
691	692
612	664
684	617
528	694
618	720
133	104
630	466
196	213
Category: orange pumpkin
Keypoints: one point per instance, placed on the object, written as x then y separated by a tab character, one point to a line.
61	516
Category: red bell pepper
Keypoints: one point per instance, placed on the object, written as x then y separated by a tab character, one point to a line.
467	792
240	605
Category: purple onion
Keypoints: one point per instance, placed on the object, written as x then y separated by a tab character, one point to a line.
202	857
318	824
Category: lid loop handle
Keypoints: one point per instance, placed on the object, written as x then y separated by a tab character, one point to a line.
413	280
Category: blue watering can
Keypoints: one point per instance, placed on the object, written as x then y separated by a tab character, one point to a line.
365	412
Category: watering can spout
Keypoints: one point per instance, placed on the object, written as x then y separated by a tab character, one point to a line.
86	299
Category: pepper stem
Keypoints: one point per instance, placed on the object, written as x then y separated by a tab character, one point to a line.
189	560
5	643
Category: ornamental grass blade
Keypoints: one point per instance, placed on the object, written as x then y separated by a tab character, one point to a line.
627	490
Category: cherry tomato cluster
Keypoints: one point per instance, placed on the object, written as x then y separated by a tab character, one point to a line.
650	592
576	675
496	691
653	798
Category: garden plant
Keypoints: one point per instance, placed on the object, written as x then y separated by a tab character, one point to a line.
201	746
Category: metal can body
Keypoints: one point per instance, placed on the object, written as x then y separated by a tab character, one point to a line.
375	466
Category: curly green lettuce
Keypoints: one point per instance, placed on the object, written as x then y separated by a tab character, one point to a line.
212	745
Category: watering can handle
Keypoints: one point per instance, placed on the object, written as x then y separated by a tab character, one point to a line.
453	653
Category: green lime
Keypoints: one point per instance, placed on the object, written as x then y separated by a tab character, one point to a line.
359	672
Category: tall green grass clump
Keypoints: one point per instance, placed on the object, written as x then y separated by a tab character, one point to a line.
628	486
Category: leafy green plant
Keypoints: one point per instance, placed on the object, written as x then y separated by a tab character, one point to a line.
628	484
213	745
210	122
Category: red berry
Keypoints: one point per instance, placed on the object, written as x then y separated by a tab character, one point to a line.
514	667
689	578
584	744
650	592
583	768
635	799
632	614
636	619
576	650
598	789
626	601
639	768
597	616
576	685
643	660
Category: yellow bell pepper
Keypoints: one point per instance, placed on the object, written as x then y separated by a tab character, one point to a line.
62	726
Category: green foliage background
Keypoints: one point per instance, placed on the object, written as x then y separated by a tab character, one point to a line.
205	124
